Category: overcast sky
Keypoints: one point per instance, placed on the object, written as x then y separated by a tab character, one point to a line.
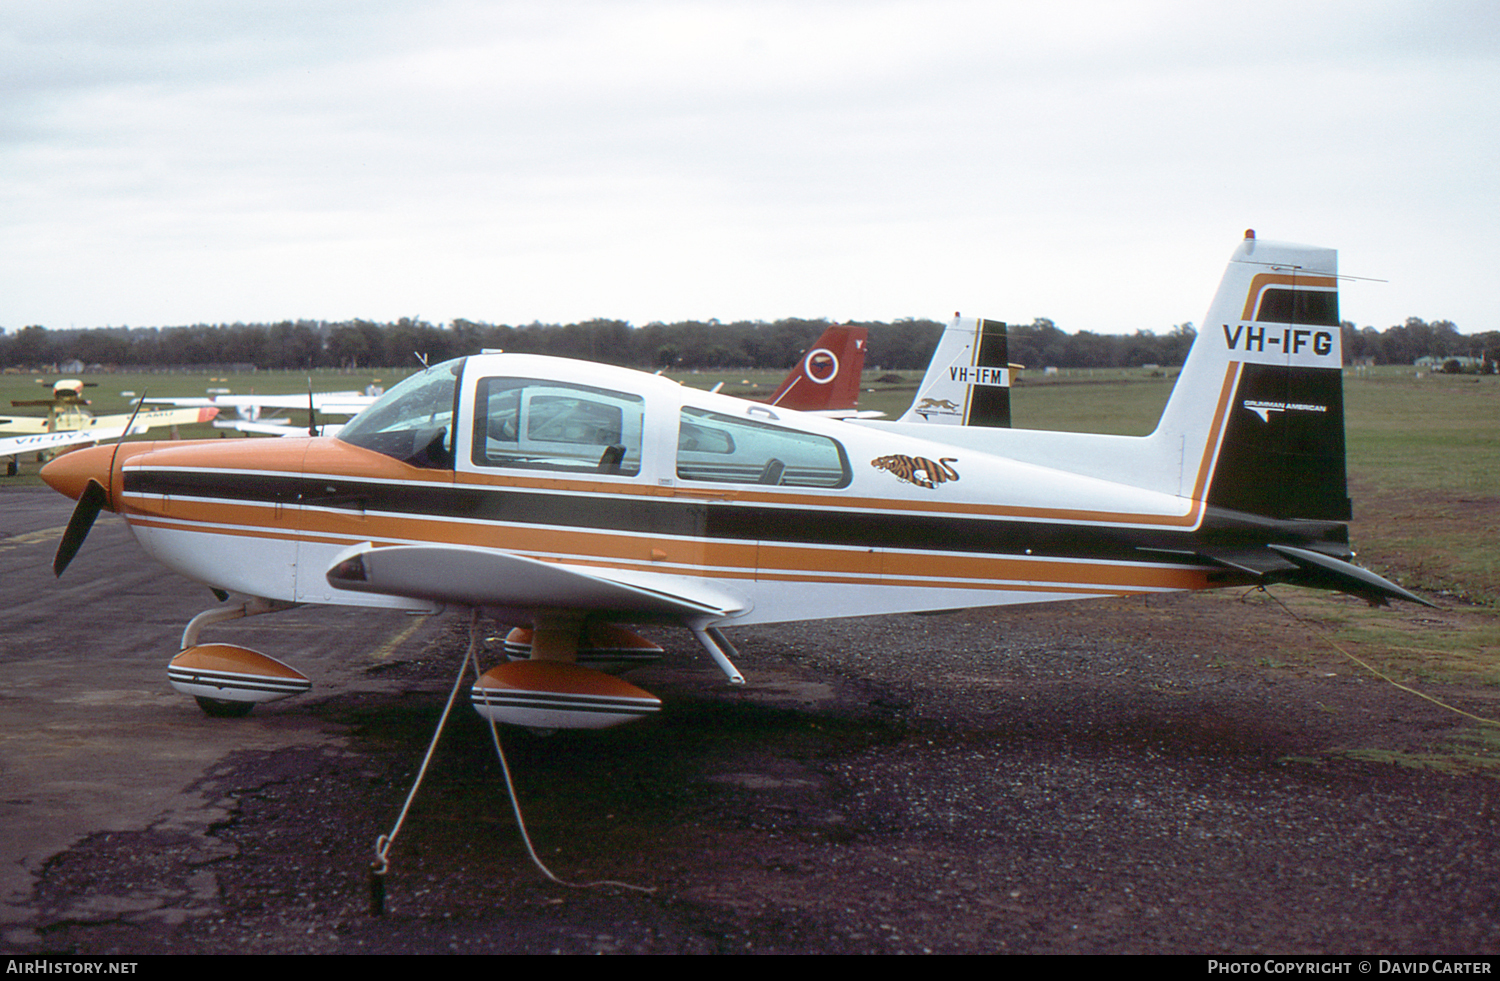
185	161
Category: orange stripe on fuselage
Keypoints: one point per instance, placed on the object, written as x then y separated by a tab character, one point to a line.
706	558
989	574
1216	432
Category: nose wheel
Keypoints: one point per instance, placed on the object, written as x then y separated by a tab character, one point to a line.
219	708
227	680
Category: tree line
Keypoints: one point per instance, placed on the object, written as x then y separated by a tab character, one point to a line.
902	345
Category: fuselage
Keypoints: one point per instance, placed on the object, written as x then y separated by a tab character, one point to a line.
603	468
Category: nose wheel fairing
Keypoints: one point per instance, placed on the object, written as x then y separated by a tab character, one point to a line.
226	673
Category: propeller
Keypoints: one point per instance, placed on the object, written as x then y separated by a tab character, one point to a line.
90	503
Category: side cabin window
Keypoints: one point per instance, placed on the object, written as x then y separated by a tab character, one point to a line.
547	425
712	446
1283	306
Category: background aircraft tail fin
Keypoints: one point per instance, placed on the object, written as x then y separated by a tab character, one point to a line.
1261	392
968	379
827	375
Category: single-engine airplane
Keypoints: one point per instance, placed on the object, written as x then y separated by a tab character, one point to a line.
69	422
825	380
251	409
570	497
968	380
68	411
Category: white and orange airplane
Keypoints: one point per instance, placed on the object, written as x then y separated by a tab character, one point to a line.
567	498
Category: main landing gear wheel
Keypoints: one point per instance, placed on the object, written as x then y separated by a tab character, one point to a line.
218	708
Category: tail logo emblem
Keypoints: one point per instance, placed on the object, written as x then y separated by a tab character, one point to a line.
947	406
821	365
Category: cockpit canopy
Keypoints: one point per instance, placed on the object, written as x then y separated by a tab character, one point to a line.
413	422
514	419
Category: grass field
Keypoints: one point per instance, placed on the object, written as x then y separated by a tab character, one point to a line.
1424	450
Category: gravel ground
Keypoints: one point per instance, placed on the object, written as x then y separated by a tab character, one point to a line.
1163	776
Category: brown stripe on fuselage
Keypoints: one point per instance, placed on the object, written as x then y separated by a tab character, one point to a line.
709	559
327	456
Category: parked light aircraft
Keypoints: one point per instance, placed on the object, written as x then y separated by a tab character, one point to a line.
569	497
69	422
251	407
968	380
68	410
826	377
825	380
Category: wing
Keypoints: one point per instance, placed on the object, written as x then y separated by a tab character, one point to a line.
48	441
277	427
488	578
848	413
23	424
338	403
152	418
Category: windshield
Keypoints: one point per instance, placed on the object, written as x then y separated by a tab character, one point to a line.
413	422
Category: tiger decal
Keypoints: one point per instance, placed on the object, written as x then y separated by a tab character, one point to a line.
917	469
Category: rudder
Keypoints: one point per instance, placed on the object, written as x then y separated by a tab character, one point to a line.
1270	359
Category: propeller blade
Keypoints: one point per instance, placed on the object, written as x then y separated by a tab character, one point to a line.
90	502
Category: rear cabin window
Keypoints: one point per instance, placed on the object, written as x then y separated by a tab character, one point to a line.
546	425
728	449
1317	307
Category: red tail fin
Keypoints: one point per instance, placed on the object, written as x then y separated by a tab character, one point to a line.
828	373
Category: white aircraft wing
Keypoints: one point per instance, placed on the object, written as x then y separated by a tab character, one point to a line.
276	427
266	427
484	577
152	418
338	403
847	413
11	445
23	424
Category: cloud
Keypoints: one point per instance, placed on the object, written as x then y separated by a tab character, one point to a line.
1089	161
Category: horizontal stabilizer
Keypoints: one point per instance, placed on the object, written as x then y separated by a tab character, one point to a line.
488	578
1301	567
1331	573
1255	562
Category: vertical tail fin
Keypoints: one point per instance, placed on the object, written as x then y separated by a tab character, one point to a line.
1269	361
968	379
828	374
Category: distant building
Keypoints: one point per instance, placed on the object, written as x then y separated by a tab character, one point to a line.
1436	363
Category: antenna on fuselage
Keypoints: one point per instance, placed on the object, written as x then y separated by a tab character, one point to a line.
312	410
